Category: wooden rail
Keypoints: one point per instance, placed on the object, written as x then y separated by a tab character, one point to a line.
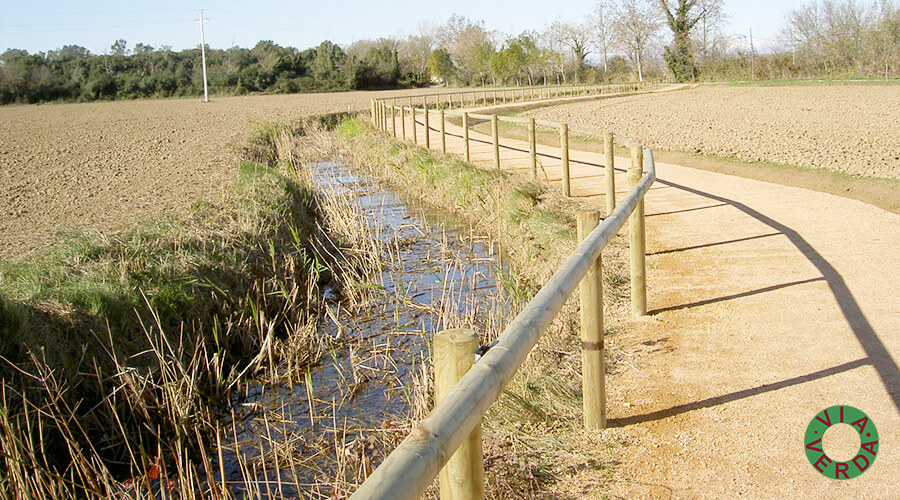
450	434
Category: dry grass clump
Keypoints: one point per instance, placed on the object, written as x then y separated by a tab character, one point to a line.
535	445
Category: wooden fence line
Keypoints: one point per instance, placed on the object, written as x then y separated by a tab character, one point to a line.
464	391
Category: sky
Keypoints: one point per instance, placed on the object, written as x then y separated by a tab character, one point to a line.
45	25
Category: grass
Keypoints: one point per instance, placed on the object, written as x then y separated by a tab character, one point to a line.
534	442
121	351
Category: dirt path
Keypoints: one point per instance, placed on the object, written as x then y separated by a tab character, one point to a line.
768	304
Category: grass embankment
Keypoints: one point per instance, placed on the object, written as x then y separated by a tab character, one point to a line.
534	441
121	350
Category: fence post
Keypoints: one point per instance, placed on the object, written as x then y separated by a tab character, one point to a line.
393	122
373	111
465	124
495	131
463	475
610	173
427	131
638	268
593	371
403	121
443	132
532	148
415	135
564	154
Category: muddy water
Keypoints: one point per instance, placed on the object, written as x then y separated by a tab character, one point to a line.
316	436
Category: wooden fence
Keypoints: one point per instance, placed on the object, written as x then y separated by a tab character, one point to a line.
465	390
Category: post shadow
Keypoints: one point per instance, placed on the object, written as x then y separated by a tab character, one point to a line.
734	396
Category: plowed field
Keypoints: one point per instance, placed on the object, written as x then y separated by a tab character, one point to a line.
843	128
104	166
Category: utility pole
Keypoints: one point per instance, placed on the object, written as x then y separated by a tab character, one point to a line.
752	58
203	57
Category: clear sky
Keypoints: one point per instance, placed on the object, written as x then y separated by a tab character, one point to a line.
44	25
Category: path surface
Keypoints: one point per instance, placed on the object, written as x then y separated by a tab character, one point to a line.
768	304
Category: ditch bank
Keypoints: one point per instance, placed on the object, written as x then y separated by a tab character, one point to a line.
533	439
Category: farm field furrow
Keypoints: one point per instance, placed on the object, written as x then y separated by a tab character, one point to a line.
105	166
850	129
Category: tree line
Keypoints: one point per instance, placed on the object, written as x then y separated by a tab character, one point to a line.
73	73
620	40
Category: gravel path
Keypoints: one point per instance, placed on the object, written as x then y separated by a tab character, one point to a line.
842	128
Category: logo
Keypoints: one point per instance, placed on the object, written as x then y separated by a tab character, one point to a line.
868	442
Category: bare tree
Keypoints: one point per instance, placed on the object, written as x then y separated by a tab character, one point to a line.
465	39
709	30
413	53
603	31
637	25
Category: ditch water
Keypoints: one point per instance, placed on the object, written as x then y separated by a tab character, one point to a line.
318	436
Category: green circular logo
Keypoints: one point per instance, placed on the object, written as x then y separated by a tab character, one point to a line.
868	442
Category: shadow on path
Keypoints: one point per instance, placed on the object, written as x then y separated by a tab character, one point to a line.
727	398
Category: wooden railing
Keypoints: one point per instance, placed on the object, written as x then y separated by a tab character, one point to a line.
465	390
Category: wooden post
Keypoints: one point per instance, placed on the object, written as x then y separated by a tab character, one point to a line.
495	131
393	122
415	135
443	132
373	111
593	371
465	124
532	148
564	154
403	121
427	131
610	173
636	223
462	477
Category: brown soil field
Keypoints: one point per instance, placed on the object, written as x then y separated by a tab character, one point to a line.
104	166
850	129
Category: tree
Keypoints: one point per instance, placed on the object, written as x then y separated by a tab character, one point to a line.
441	65
413	54
709	29
577	38
119	48
637	24
329	64
680	55
603	31
463	39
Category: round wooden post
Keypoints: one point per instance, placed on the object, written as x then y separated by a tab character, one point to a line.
610	173
564	154
465	124
415	135
427	131
462	477
443	132
393	122
403	122
532	148
495	131
636	223
593	371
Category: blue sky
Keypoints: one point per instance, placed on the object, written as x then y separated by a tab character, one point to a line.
42	25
